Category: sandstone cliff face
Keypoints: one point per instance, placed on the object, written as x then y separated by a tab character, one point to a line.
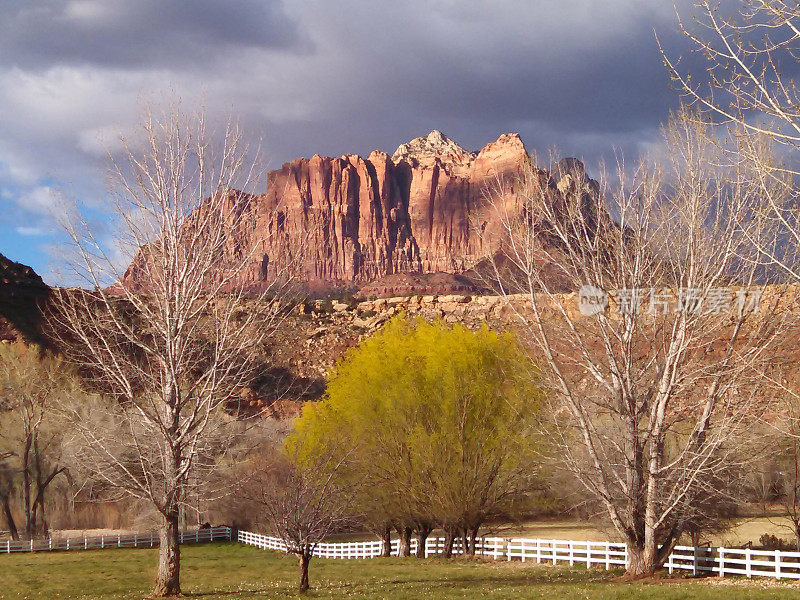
414	212
430	208
353	220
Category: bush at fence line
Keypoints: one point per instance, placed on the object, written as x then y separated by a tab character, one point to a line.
769	541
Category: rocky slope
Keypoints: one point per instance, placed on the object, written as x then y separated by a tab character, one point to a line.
317	333
22	298
356	220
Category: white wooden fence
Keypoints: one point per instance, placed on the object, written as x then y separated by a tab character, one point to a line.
720	561
147	539
736	561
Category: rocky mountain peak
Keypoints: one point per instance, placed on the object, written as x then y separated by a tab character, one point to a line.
434	145
506	142
412	221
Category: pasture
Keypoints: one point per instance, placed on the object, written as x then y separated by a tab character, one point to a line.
741	531
233	571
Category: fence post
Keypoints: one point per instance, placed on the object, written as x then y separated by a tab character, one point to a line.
748	564
67	543
31	544
694	561
508	548
523	549
538	551
49	543
8	546
722	562
102	542
777	564
85	543
119	541
588	554
608	556
553	550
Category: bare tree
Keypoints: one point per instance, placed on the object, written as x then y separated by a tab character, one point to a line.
166	342
784	445
303	504
751	50
6	492
789	498
654	390
31	384
747	44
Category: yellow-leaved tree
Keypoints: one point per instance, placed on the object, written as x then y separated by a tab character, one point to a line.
440	426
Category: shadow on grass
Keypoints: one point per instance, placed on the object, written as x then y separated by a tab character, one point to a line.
475	574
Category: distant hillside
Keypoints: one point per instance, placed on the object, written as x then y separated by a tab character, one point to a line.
23	295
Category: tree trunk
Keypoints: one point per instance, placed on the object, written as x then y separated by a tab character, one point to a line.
168	579
303	559
12	526
40	525
422	538
32	526
695	537
39	516
386	542
449	539
405	541
642	561
472	537
41	488
26	487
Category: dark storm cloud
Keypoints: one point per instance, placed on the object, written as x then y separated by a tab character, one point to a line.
560	73
138	33
317	76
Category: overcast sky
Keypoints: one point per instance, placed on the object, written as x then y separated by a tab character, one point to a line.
316	76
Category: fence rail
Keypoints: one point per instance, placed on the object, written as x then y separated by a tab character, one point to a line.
148	539
721	561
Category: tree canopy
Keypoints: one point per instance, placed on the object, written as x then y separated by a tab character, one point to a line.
441	425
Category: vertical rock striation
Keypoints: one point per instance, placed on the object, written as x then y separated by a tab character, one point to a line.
351	220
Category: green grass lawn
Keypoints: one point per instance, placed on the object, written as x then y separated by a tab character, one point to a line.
231	571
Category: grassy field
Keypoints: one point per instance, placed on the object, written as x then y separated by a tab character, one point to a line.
230	571
743	531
